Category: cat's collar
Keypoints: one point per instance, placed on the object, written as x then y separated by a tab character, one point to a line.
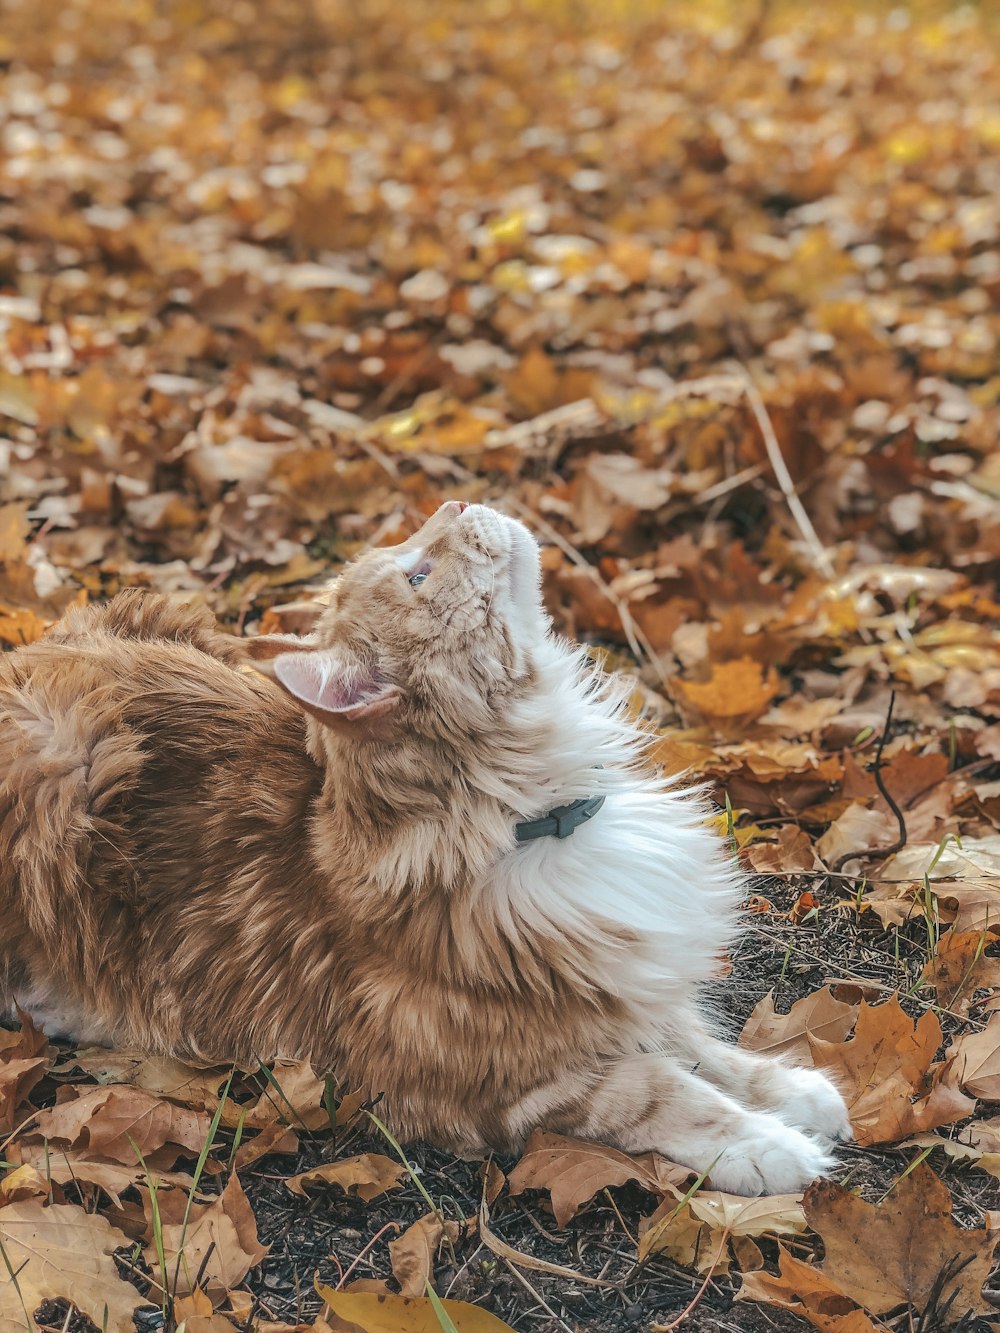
560	822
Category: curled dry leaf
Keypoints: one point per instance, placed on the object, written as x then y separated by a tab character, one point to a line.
975	1060
855	832
573	1171
367	1312
367	1176
26	1182
985	1158
692	1232
117	1123
818	1015
413	1253
23	1062
885	1065
807	1292
60	1250
293	1095
215	1249
906	1249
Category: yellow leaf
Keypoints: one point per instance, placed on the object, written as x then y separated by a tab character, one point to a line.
366	1312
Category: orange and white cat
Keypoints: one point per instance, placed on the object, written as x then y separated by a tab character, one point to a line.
326	864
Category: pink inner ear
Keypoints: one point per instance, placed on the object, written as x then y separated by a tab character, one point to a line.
323	682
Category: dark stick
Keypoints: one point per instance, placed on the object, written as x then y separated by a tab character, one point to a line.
900	842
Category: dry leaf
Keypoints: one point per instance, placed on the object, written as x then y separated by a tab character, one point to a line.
857	831
118	1123
901	1250
960	967
413	1253
23	1062
370	1313
366	1176
975	1061
59	1250
808	1292
958	1151
817	1015
573	1171
191	1085
297	1100
883	1067
217	1247
735	689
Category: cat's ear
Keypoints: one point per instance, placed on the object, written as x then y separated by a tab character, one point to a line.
340	693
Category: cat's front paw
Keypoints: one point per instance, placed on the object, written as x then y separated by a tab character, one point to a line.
814	1104
769	1157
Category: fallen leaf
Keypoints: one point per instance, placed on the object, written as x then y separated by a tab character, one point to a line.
903	1249
691	1232
293	1094
805	904
573	1171
26	1182
975	1059
735	689
370	1313
23	1062
960	967
817	1015
66	1167
20	626
119	1122
215	1249
855	832
413	1253
793	852
366	1176
809	1293
62	1251
884	1066
958	1151
191	1085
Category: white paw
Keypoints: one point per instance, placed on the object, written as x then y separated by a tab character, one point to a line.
769	1157
813	1104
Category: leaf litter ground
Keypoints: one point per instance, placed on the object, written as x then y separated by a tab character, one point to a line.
707	295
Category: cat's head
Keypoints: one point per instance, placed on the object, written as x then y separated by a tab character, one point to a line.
431	636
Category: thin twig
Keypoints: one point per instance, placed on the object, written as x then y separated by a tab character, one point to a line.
784	478
696	1298
539	1298
881	853
389	1226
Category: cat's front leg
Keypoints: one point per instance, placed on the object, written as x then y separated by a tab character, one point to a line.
803	1098
649	1101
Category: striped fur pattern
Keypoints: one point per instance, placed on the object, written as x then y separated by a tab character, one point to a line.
304	848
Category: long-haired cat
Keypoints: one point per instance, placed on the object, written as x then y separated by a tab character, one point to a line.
340	863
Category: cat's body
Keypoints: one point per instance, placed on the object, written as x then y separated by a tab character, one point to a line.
195	861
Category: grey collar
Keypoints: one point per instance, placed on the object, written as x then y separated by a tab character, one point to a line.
560	822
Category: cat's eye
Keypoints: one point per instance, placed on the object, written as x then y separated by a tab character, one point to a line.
417	579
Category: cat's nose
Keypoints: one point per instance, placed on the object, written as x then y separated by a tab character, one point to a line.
460	505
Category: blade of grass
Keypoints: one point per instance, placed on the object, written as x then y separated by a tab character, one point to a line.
213	1129
440	1313
29	1323
411	1172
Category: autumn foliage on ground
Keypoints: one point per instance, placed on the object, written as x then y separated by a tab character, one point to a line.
707	295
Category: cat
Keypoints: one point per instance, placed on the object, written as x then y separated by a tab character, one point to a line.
324	848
